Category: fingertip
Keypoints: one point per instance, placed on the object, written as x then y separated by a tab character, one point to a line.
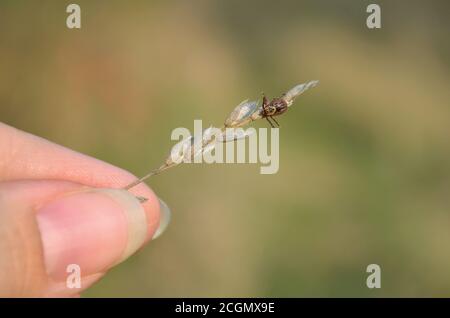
152	208
164	220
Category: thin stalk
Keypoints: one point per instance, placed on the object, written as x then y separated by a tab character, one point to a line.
148	175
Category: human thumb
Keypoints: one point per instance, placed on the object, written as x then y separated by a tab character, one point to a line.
57	242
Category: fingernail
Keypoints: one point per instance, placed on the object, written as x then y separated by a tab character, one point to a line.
164	220
94	229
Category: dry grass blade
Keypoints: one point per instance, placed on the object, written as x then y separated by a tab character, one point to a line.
246	112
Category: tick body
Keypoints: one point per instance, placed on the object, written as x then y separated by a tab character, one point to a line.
275	107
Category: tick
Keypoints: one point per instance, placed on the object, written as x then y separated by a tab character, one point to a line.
275	107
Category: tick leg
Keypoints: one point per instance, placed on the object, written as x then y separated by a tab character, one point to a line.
270	122
275	121
265	102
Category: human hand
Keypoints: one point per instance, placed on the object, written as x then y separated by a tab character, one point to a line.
59	207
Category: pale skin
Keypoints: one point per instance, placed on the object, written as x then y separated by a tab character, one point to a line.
35	173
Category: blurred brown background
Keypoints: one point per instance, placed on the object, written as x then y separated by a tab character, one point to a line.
364	157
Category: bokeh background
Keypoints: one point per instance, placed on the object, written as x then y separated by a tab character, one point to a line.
364	157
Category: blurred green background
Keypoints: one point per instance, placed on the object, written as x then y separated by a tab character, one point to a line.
364	157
